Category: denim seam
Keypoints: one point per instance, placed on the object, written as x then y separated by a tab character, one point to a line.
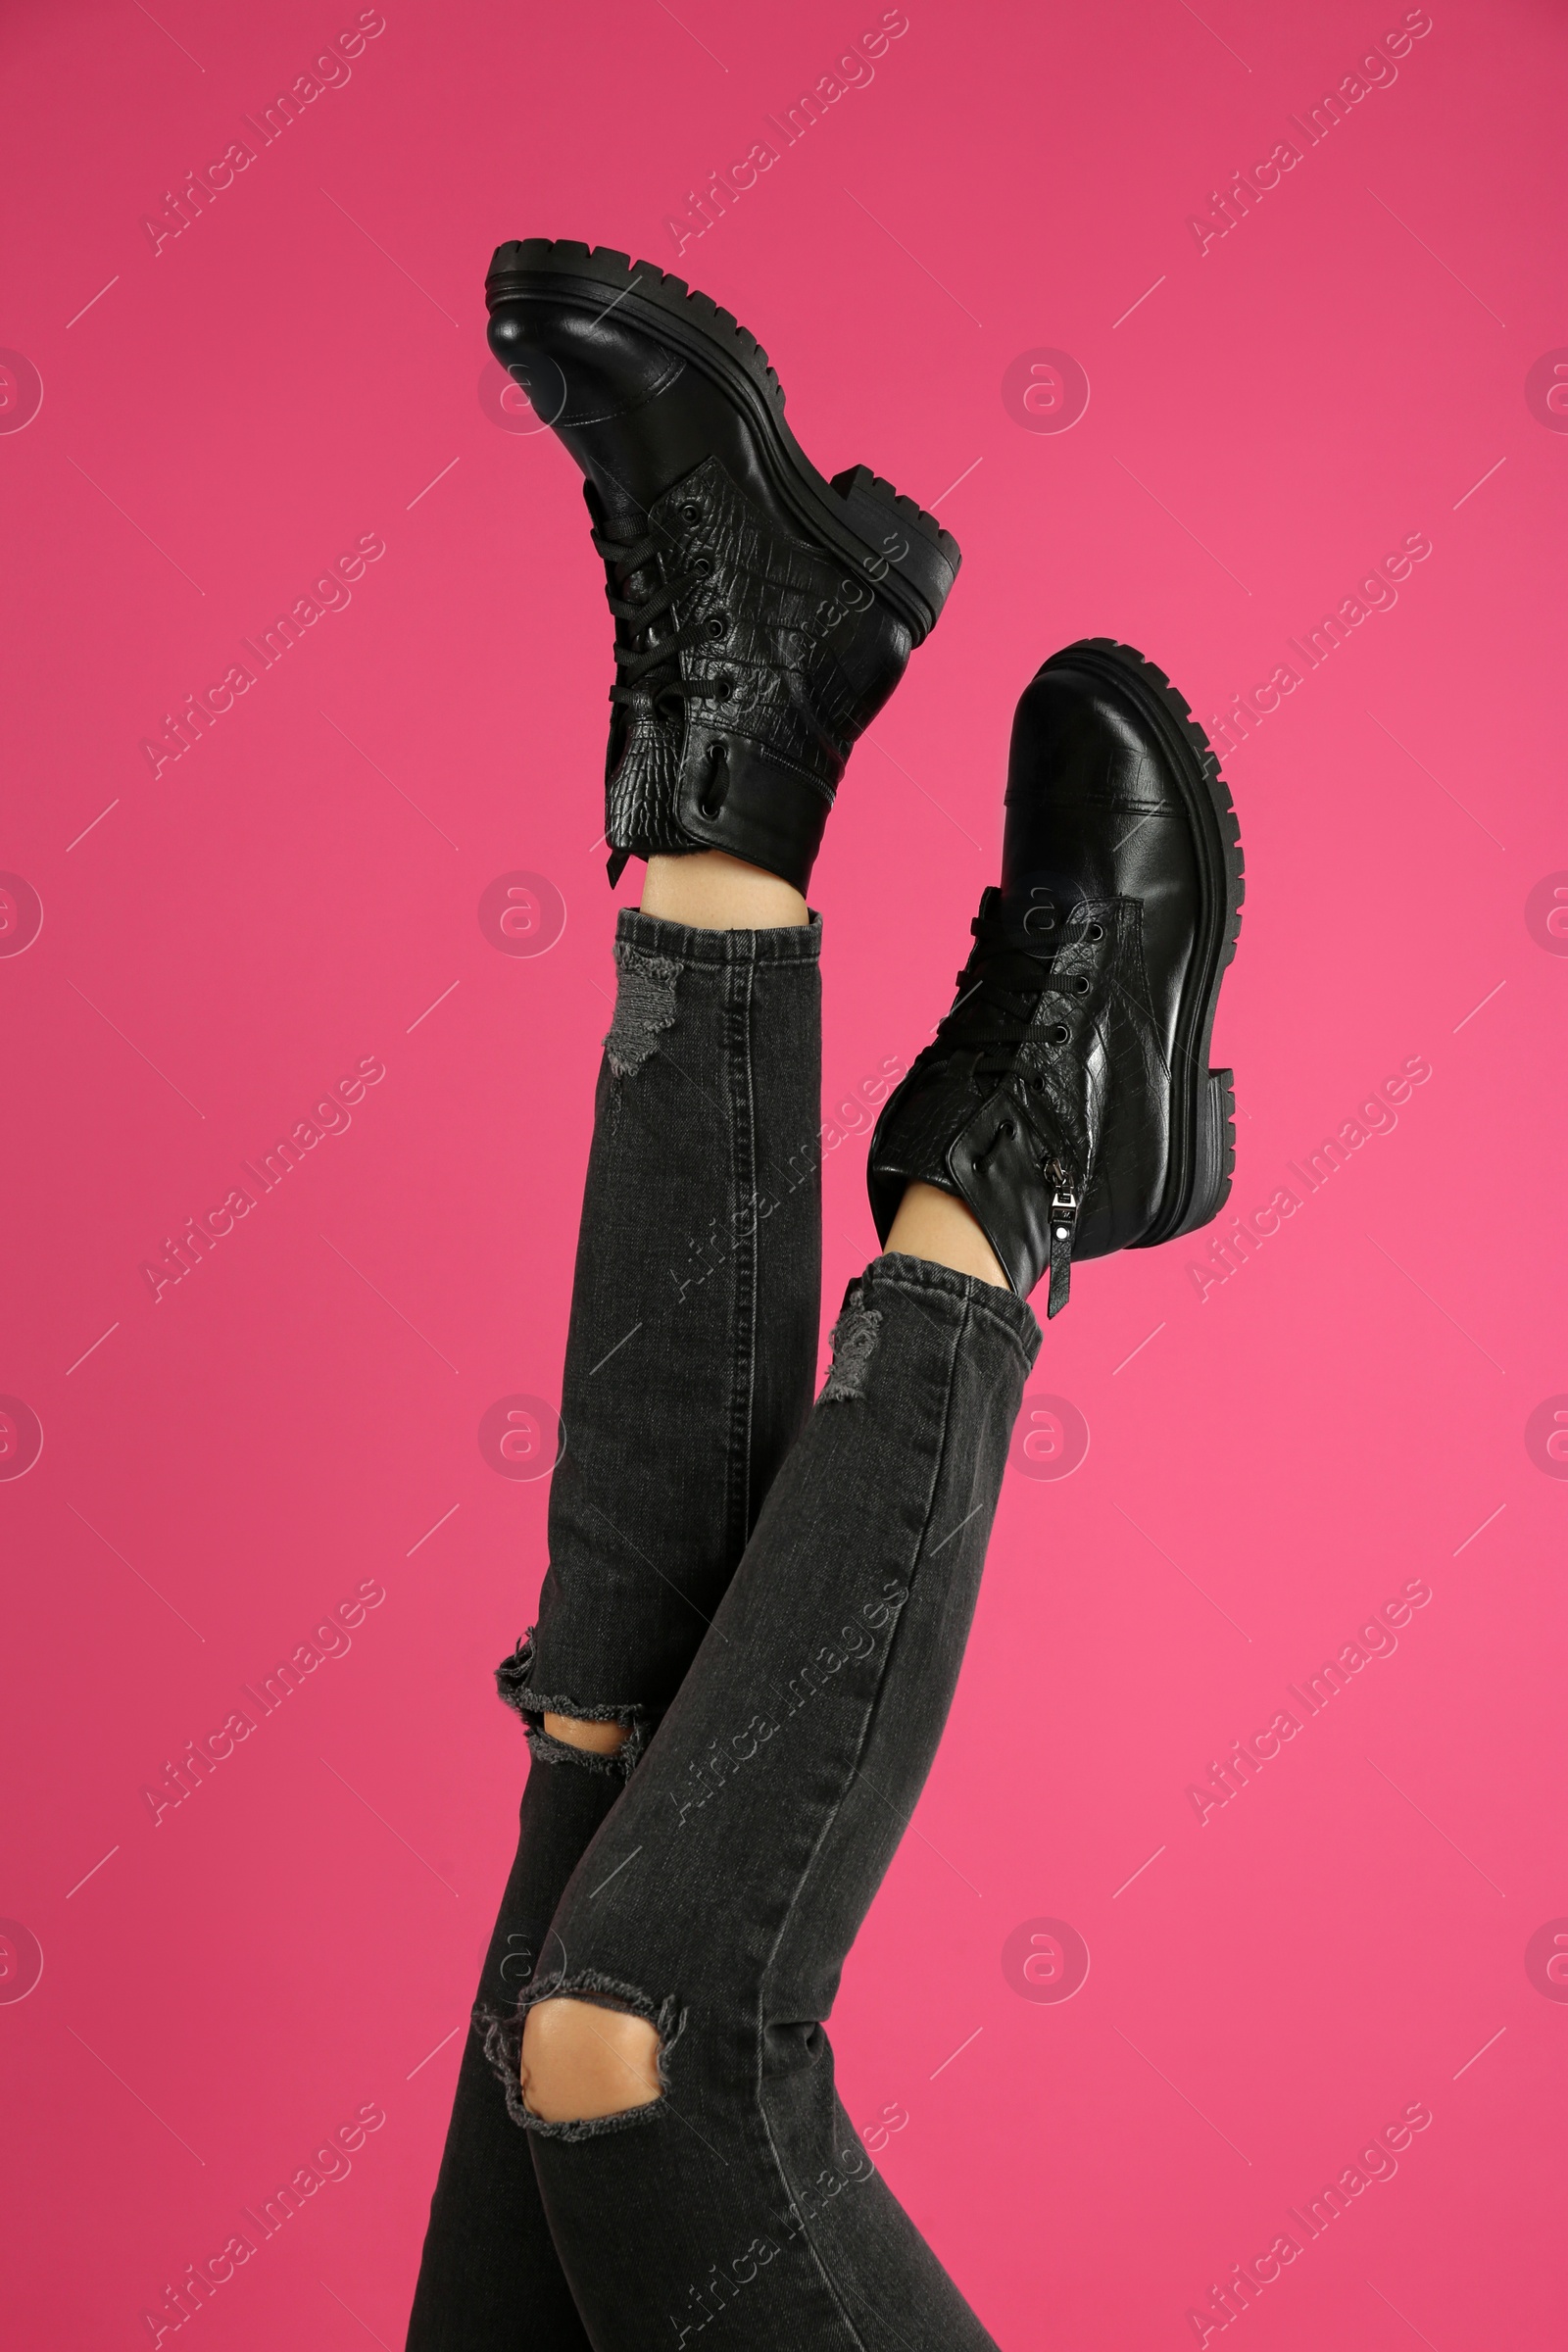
888	1655
742	1109
750	1256
925	1297
808	2241
979	1306
828	2280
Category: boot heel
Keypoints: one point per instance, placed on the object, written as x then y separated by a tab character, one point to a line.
1215	1151
899	537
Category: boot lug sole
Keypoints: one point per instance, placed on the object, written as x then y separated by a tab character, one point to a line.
1202	1154
909	559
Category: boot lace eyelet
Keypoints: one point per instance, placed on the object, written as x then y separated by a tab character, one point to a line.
1095	931
717	790
640	590
1080	987
690	512
1005	1130
719	627
1059	1034
723	688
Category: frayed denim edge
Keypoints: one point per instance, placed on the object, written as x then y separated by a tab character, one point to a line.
514	1683
502	2037
854	1344
645	1008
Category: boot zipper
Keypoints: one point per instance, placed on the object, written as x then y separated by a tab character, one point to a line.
1063	1226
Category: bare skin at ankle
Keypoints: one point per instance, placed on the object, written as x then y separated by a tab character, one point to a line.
936	1225
710	891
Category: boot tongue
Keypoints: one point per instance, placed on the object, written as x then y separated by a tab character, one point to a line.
1035	926
1016	942
613	507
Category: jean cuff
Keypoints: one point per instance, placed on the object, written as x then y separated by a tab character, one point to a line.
892	1269
684	943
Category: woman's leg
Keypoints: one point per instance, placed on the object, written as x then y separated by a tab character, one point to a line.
690	1360
696	2166
719	2185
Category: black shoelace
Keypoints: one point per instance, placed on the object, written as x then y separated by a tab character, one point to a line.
1012	966
649	666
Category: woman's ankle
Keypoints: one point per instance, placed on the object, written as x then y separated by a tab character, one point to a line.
937	1226
711	892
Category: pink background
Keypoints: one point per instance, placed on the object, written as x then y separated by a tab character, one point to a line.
1268	1986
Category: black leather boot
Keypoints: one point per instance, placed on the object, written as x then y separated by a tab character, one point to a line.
1066	1097
762	614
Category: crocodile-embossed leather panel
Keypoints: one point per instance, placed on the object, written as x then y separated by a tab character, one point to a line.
808	653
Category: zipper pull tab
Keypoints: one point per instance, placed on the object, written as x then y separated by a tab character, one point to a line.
1063	1228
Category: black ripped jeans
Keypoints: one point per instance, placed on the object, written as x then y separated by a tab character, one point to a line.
775	1599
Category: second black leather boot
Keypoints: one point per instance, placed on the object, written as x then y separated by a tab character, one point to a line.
1066	1096
762	614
